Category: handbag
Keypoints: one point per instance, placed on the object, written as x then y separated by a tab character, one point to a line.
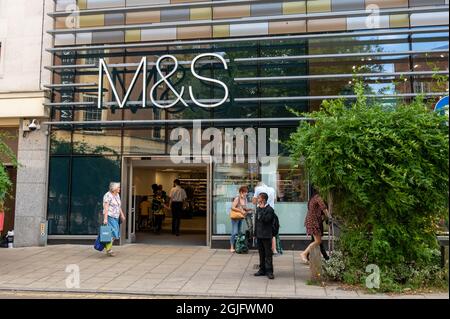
236	215
105	234
98	244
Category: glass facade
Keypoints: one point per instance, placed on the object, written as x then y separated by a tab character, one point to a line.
290	59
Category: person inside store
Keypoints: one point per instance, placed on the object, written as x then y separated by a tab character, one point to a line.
158	211
177	197
261	187
163	193
144	212
317	211
264	221
112	211
154	189
239	205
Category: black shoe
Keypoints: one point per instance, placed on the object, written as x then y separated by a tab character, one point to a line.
260	273
270	276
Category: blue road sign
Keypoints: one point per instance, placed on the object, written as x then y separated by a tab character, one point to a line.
442	106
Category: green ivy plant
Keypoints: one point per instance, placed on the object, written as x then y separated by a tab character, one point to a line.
386	167
5	182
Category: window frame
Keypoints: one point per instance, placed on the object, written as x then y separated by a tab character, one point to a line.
2	56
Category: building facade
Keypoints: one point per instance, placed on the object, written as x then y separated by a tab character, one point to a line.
207	92
23	36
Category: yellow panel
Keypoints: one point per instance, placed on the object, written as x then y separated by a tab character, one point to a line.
132	35
221	31
201	14
399	21
319	6
294	7
82	4
95	20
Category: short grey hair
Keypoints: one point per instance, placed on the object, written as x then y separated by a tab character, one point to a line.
113	186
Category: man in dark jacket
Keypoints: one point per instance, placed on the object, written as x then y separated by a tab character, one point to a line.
263	231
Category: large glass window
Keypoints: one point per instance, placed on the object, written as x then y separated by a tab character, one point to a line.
58	195
76	189
87	195
290	184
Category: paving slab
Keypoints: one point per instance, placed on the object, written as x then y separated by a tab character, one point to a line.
166	270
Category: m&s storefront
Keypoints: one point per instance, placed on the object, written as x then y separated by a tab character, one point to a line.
204	91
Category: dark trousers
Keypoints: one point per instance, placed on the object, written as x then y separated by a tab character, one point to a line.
177	210
322	248
265	255
158	222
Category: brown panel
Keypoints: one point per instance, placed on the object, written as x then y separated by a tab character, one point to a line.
194	32
287	27
185	1
231	12
143	17
388	4
322	25
60	23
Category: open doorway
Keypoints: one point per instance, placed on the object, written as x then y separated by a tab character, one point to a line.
151	190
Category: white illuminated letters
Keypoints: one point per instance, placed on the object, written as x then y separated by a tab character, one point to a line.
208	80
163	79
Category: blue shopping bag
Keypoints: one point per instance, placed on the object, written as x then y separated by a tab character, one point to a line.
105	234
98	244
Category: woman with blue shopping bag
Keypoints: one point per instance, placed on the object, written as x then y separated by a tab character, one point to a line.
112	211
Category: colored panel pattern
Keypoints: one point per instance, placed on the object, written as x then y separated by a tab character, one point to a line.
185	12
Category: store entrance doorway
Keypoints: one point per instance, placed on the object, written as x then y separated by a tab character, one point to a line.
150	217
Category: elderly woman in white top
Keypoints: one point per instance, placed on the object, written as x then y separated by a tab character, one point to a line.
112	211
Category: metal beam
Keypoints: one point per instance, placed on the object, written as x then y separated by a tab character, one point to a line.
262	99
250	39
337	76
180	122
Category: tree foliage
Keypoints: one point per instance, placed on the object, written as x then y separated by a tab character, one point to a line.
5	182
387	171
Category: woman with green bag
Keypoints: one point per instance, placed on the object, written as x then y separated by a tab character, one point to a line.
112	211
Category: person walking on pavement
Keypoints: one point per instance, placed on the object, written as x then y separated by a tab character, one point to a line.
265	216
177	197
314	225
112	211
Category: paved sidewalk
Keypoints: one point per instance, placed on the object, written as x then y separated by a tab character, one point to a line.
164	270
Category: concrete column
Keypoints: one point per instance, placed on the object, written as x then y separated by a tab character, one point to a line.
31	193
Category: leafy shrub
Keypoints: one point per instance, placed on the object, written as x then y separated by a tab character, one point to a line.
5	182
334	267
386	169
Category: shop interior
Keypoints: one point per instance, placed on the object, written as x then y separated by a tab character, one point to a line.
193	222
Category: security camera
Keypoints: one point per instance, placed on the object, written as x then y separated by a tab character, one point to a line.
33	126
